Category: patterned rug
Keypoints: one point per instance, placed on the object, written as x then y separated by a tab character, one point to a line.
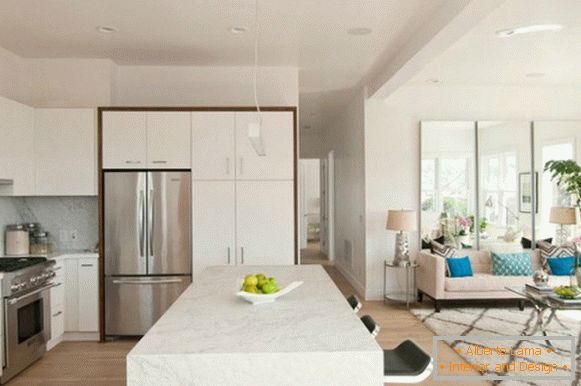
479	322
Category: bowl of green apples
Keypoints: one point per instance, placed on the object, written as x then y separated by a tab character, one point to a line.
260	289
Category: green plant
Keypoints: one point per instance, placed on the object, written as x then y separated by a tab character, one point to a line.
567	175
483	224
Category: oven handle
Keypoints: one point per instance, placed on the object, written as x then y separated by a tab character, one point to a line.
16	300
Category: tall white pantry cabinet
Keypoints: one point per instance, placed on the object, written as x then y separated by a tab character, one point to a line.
243	208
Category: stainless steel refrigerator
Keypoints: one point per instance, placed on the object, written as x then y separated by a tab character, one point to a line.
148	254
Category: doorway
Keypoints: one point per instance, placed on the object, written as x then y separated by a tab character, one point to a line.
316	202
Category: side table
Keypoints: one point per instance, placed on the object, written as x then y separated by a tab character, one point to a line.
407	294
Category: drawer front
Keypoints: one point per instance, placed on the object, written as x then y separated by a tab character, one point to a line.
57	295
57	322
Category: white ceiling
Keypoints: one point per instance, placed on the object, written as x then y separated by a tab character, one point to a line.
309	34
482	58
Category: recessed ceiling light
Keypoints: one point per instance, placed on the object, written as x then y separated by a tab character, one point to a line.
535	74
359	31
107	29
503	33
237	30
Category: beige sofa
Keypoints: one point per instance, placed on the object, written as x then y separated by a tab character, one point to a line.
433	282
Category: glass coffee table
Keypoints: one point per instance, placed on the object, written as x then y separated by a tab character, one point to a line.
544	303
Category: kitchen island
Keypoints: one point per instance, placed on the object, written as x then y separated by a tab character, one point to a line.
211	337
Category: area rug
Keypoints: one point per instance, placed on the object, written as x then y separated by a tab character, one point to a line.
473	323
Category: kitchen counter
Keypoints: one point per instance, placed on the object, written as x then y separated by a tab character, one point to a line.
209	336
70	254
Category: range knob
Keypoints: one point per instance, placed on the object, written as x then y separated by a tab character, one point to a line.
34	280
21	286
15	287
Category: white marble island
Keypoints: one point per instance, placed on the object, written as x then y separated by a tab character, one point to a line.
210	337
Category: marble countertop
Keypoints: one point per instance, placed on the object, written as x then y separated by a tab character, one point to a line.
70	254
313	328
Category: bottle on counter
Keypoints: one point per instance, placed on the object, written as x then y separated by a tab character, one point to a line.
39	244
17	240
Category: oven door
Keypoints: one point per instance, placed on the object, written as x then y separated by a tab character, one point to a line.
27	328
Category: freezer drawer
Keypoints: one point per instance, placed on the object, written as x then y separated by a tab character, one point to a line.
134	304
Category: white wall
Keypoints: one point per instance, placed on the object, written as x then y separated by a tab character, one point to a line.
344	133
10	75
392	146
204	86
311	144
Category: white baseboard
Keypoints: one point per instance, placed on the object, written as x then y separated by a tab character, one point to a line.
53	342
359	288
81	336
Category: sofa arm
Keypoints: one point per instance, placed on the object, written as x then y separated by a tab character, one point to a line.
431	275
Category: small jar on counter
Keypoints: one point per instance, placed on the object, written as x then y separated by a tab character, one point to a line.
39	244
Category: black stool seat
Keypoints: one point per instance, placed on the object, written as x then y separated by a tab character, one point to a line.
406	359
354	302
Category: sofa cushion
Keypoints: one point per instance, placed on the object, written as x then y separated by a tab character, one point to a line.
459	266
511	264
549	250
562	266
483	282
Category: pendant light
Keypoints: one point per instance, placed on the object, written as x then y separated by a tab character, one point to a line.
255	128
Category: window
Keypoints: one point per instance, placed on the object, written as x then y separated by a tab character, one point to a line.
499	188
446	185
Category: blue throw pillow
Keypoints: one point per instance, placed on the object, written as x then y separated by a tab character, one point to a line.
459	266
561	266
512	264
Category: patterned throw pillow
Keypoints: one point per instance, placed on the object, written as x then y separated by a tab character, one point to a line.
552	251
512	264
444	251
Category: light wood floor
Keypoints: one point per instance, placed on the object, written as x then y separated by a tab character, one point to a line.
96	364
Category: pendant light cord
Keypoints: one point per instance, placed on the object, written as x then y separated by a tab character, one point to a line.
256	35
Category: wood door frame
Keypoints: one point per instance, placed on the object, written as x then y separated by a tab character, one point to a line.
101	207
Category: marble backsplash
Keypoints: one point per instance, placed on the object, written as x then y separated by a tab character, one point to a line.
59	216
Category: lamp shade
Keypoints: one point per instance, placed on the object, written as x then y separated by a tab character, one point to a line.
401	220
563	215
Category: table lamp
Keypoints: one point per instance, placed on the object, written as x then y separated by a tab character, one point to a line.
401	221
562	216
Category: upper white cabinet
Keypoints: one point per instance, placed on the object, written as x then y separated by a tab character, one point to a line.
124	139
277	132
168	140
213	151
65	159
16	148
139	140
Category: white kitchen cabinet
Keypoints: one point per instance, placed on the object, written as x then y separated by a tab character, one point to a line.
88	295
168	140
265	222
124	139
277	133
57	306
213	150
16	148
81	295
65	152
213	224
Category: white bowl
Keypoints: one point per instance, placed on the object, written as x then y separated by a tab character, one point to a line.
268	298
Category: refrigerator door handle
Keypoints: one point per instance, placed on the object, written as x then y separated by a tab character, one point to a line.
150	222
162	281
141	221
228	255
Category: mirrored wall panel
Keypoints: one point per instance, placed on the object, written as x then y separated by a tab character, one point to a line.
555	141
448	183
505	194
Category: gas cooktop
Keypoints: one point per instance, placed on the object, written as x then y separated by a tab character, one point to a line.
11	264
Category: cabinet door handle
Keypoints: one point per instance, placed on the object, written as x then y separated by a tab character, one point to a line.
241	165
228	255
159	162
227	166
86	265
242	254
57	314
132	162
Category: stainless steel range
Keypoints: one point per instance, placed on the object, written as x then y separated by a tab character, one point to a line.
26	291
